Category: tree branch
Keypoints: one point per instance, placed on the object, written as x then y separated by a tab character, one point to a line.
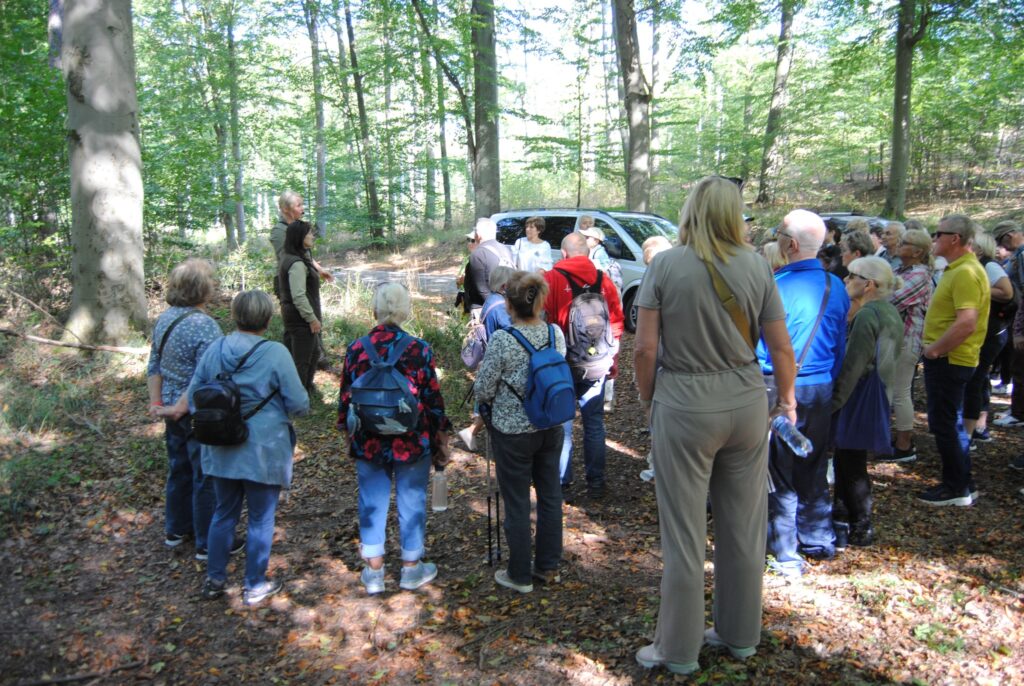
82	677
463	99
80	346
44	312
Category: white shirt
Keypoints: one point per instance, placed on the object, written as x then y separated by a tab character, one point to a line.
530	257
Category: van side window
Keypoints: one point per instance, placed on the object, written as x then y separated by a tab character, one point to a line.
556	228
510	229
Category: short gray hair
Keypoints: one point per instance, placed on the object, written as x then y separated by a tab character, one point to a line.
878	270
900	228
392	303
959	224
499	277
287	199
252	310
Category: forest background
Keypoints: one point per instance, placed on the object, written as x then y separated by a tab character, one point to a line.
406	117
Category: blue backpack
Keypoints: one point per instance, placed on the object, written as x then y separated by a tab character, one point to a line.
382	403
550	393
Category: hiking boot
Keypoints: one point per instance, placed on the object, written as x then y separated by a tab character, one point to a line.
503	579
212	589
373	580
942	495
712	638
260	592
419	574
1017	463
174	540
862	534
900	455
649	658
982	436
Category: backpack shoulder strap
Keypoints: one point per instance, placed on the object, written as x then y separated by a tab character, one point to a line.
817	322
728	298
371	352
245	357
577	288
398	349
518	335
167	333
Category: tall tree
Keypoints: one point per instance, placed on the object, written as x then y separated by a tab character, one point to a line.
238	167
98	61
487	162
311	12
638	101
369	165
771	159
911	24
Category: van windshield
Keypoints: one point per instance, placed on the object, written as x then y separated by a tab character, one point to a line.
641	228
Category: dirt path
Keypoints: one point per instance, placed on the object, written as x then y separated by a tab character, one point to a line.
88	586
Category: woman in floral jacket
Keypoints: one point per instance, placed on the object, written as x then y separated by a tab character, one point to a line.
402	458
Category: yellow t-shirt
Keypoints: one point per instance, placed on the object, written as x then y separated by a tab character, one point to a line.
963	286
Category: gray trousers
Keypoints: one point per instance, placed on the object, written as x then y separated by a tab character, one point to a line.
728	453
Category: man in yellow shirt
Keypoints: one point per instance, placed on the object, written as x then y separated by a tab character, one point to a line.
954	330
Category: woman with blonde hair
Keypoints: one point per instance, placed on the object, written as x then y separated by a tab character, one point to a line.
776	258
711	390
400	457
523	453
860	393
911	302
180	337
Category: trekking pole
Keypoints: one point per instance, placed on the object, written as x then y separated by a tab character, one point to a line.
490	547
497	501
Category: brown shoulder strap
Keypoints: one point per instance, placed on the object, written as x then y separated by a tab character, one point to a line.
730	304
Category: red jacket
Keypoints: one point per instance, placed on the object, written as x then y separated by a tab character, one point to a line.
560	295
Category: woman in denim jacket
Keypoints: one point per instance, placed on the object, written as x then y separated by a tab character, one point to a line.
259	468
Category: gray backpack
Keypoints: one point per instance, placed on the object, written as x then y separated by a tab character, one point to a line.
589	342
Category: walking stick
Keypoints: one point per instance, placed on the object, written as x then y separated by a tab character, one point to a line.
493	553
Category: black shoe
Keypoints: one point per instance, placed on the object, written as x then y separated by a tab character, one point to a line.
236	547
982	436
567	495
174	540
842	531
899	455
1017	463
862	534
212	589
323	364
943	495
596	492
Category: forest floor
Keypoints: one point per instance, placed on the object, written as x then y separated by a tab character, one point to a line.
89	591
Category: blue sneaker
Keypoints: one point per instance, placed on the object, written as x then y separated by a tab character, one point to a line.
793	569
419	574
373	580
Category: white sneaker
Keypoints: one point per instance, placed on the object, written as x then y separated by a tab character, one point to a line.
468	438
1008	420
647	475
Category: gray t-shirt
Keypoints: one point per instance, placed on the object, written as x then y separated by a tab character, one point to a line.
706	364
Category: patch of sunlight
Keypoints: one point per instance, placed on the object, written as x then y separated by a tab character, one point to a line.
625	450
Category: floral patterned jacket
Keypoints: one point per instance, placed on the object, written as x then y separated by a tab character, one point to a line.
417	365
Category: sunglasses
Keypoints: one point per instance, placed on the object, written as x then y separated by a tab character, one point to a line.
939	234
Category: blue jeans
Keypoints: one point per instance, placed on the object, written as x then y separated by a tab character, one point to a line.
262	501
375	501
800	509
944	385
190	500
522	459
590	395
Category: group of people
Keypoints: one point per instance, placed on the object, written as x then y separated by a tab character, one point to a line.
762	339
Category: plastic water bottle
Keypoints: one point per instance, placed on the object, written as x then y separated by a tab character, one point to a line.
439	496
797	442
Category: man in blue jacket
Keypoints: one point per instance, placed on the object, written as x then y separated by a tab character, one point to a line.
800	509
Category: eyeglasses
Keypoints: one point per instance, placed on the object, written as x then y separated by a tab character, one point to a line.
780	232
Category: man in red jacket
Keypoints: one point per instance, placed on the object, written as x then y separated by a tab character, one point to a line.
577	265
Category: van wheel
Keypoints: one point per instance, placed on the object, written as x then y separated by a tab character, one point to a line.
629	309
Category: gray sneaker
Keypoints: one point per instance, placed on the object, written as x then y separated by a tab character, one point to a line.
419	574
261	592
373	580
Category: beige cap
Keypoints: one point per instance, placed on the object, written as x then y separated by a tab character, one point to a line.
593	232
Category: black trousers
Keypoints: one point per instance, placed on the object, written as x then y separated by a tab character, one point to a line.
853	485
305	349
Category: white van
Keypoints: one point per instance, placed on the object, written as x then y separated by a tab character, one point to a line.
624	233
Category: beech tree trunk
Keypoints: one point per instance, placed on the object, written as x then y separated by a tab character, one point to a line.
771	159
98	62
907	36
236	143
487	160
638	101
373	201
312	14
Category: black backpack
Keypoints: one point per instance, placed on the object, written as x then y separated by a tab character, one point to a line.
382	403
218	418
590	346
